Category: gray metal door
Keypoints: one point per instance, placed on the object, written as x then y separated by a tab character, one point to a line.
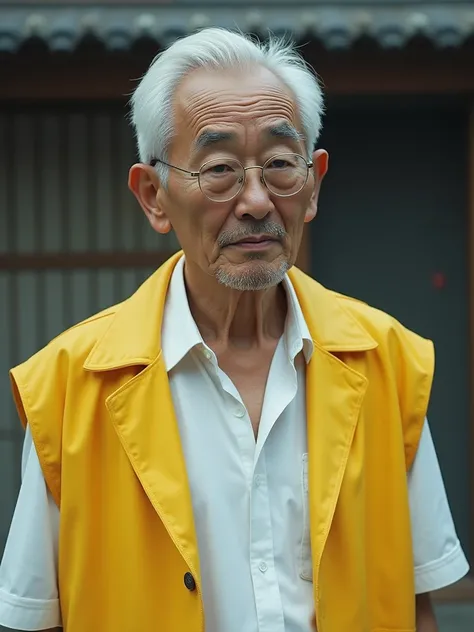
392	231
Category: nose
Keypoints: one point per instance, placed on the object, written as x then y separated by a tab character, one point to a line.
254	199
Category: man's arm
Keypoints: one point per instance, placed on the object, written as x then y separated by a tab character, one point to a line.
425	616
28	570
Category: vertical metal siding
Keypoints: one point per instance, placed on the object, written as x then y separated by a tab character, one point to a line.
63	188
63	183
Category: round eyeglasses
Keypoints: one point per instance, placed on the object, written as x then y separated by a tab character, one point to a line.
223	179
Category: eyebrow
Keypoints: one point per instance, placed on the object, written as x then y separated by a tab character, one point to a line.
284	130
209	138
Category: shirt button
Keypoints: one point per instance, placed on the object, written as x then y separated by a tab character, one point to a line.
207	354
263	567
258	480
239	412
189	582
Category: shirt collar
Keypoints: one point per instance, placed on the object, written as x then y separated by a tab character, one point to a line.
180	333
127	334
179	330
297	336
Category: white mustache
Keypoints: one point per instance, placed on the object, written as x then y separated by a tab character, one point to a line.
251	230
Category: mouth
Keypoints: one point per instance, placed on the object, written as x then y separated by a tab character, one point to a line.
255	242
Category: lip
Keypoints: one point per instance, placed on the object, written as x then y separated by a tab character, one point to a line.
255	243
254	239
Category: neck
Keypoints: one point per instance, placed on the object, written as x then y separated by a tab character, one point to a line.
231	318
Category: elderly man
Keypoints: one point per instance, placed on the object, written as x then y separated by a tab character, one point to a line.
234	448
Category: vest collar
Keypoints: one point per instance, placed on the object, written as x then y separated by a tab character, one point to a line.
134	335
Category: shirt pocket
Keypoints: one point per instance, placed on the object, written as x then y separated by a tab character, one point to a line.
305	559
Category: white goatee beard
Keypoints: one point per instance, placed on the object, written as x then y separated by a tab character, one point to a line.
259	278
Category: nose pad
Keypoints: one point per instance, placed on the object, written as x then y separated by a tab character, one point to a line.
244	179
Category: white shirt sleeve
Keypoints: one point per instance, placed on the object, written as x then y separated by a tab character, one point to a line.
28	573
439	559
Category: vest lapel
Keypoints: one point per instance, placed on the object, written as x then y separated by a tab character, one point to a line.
334	397
142	409
143	416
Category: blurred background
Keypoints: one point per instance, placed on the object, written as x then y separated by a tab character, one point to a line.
396	219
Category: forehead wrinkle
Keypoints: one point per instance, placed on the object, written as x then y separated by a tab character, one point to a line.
232	113
230	98
205	95
229	107
206	101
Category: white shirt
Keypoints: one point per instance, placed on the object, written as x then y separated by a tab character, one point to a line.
249	497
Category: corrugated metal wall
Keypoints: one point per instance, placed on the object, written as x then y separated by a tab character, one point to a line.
63	189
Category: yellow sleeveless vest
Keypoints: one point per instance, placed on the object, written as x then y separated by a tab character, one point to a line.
100	410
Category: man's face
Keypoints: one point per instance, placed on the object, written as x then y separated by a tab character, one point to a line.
249	118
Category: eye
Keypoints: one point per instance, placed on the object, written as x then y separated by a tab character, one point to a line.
219	169
279	163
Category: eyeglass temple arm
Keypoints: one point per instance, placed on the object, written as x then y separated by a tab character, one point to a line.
155	161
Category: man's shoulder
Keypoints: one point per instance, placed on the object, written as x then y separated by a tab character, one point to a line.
363	311
87	331
381	325
340	319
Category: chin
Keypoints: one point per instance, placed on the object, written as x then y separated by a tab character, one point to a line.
252	276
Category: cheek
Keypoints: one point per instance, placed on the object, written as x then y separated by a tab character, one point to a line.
186	200
184	190
292	213
205	220
213	221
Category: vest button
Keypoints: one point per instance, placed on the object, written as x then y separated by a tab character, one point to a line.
189	581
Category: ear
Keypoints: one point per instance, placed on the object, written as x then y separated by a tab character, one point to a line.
145	185
320	168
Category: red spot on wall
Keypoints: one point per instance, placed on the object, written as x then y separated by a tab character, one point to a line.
439	280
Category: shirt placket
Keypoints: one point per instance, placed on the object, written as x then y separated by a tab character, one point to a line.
282	384
262	557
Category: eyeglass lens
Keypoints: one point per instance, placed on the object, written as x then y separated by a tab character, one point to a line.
222	179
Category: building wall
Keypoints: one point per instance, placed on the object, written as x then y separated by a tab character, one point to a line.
63	191
392	231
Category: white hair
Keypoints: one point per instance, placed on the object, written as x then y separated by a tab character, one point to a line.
217	49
